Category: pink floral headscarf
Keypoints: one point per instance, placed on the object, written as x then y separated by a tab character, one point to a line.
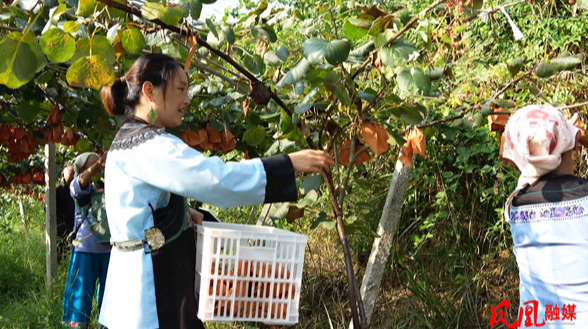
535	138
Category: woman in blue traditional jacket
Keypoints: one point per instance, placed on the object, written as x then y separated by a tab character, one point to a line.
548	217
148	174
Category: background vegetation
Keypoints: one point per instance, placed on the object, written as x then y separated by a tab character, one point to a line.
452	258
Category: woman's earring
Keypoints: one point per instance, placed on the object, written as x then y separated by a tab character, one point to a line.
152	116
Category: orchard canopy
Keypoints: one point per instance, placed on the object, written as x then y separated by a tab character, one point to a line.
371	82
270	77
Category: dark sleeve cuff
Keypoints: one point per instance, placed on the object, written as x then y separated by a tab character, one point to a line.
281	185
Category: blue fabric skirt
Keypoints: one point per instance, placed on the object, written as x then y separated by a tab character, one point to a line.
85	270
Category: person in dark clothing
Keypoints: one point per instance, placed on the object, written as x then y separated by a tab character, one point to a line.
64	210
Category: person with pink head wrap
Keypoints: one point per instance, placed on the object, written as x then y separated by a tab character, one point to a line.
536	138
548	217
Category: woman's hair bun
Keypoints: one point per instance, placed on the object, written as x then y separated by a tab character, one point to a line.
113	97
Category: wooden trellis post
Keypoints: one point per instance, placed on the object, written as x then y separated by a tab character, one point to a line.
50	215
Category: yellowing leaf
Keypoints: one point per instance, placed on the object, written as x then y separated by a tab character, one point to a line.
58	45
95	46
375	136
90	72
87	7
171	15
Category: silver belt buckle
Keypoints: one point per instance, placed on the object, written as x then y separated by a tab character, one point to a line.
155	239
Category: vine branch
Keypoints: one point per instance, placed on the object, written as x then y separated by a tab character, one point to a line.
408	25
357	311
510	84
208	60
572	106
10	28
205	68
432	123
187	32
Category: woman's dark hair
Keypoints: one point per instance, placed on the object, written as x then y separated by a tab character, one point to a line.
125	92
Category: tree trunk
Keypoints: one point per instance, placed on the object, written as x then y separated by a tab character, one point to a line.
383	244
50	216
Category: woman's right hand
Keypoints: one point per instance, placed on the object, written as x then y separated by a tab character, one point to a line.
311	161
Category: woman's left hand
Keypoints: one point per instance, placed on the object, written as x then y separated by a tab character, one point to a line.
196	216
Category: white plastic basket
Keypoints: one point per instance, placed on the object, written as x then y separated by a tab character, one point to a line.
248	273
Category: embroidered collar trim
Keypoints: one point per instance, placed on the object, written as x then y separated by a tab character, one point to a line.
134	132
